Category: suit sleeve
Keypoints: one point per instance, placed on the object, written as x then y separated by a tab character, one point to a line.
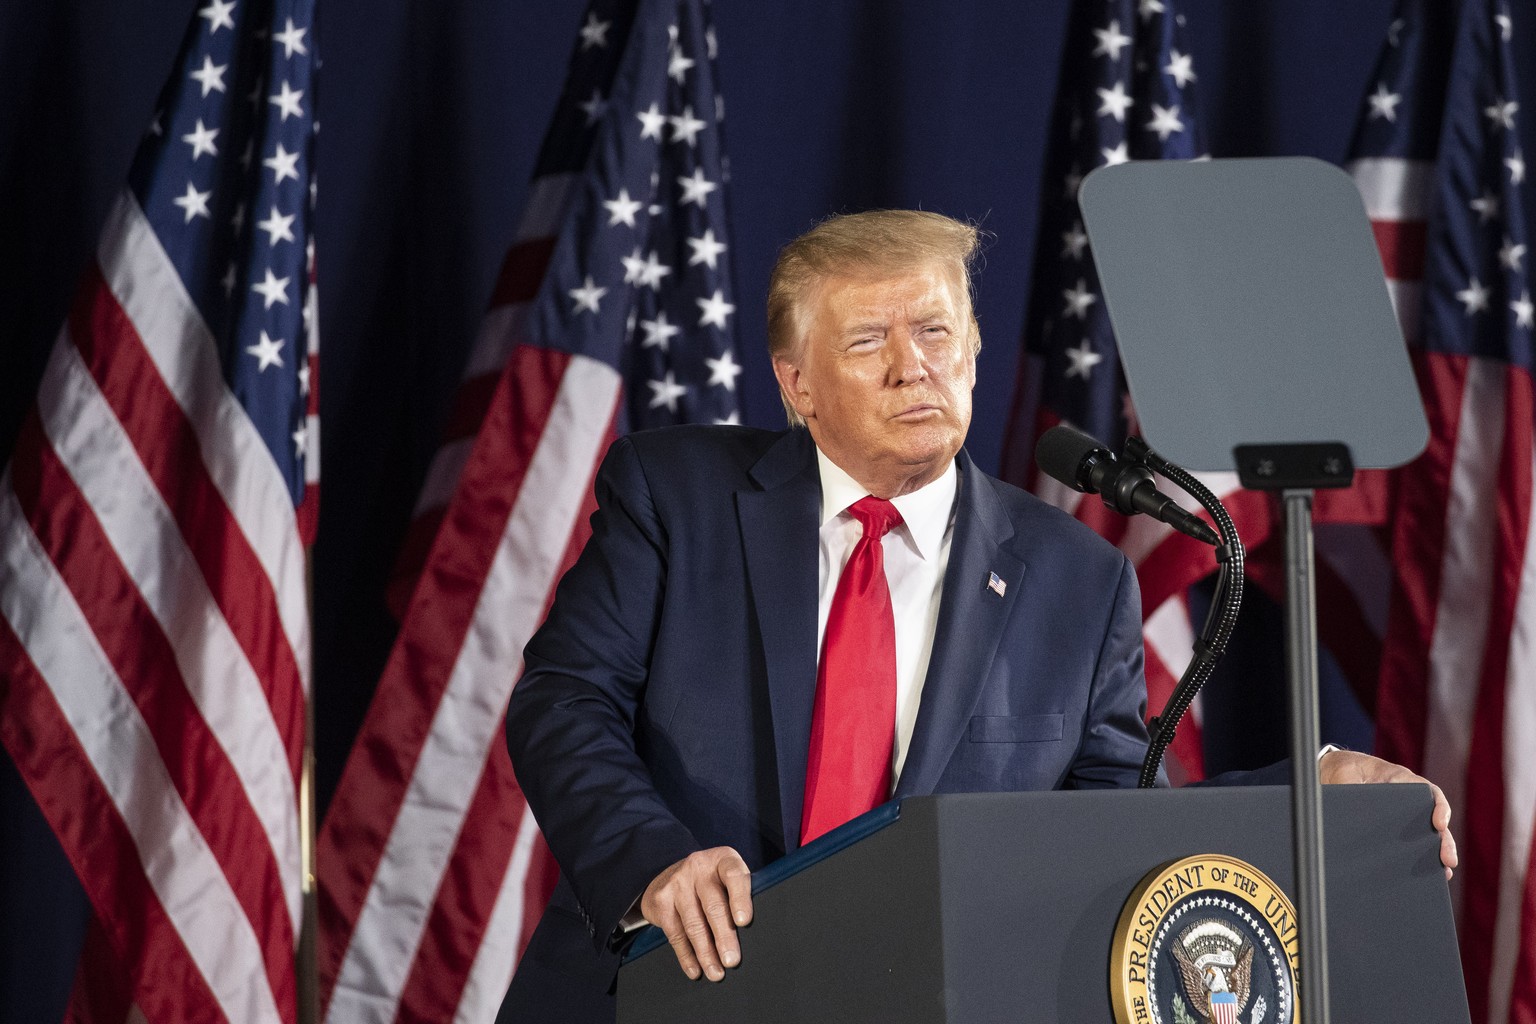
1115	739
572	716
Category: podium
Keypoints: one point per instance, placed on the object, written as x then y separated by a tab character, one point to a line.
1003	907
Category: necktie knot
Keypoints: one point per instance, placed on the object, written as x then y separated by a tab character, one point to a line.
877	515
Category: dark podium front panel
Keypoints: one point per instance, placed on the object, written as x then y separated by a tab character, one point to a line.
1002	907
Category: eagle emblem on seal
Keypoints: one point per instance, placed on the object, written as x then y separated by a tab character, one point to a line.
1216	967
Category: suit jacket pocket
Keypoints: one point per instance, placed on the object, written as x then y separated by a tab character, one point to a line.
1015	728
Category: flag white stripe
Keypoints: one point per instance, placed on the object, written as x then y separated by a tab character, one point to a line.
101	459
1519	787
1462	612
443	475
496	958
1167	631
511	605
144	281
499	334
544	211
184	874
1393	188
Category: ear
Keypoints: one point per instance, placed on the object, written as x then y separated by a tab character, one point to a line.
792	387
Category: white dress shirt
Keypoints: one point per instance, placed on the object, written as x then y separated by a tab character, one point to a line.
916	553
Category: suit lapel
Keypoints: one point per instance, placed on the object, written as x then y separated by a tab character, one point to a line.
779	534
971	620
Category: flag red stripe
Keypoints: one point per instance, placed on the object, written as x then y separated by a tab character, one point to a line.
373	784
1522	1004
522	272
1402	244
169	448
1482	829
101	994
469	406
1423	497
98	844
464	902
467	897
142	657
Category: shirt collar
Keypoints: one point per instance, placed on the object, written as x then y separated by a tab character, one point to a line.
925	512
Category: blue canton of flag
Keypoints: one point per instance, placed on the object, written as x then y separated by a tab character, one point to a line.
1126	94
640	277
225	178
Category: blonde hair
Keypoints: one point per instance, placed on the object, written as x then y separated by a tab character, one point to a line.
875	243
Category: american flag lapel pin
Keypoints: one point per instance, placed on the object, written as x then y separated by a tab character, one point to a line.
996	584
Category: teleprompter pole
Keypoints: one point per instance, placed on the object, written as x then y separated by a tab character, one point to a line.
1306	789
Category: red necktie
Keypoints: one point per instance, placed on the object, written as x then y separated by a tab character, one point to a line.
854	723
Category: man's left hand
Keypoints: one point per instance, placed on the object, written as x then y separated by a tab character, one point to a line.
1351	766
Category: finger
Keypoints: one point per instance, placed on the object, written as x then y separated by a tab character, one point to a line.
738	887
682	948
1440	817
696	927
717	911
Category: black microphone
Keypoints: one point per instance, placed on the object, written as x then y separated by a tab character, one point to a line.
1083	464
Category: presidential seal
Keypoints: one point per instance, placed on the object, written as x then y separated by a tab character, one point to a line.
1205	940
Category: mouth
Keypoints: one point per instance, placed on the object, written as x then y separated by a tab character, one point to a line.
918	411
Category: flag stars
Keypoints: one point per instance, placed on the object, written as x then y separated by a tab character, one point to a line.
1165	121
666	392
711	44
287	101
304	376
595	32
1383	103
587	296
272	289
1074	242
634	266
1486	206
679	66
714	310
1506	26
594	108
218	15
1078	300
1395	33
267	352
283	164
696	188
201	140
706	249
210	76
1511	253
1523	310
1181	68
1148	8
193	203
1082	360
292	39
723	371
1111	41
658	332
622	209
650	273
652	121
1114	102
300	439
1474	297
1119	155
1502	114
278	227
686	127
1516	165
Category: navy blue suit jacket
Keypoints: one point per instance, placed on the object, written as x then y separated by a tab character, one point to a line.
666	703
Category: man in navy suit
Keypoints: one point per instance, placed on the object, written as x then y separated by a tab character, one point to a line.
661	731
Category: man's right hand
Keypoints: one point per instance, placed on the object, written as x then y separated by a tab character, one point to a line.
698	903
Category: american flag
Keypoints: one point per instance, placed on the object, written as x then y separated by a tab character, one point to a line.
1440	165
154	634
613	311
1127	92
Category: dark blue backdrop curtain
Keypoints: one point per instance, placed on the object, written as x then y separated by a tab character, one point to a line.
431	115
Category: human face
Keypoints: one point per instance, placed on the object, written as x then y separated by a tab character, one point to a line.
884	374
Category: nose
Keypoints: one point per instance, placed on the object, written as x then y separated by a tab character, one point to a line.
906	360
